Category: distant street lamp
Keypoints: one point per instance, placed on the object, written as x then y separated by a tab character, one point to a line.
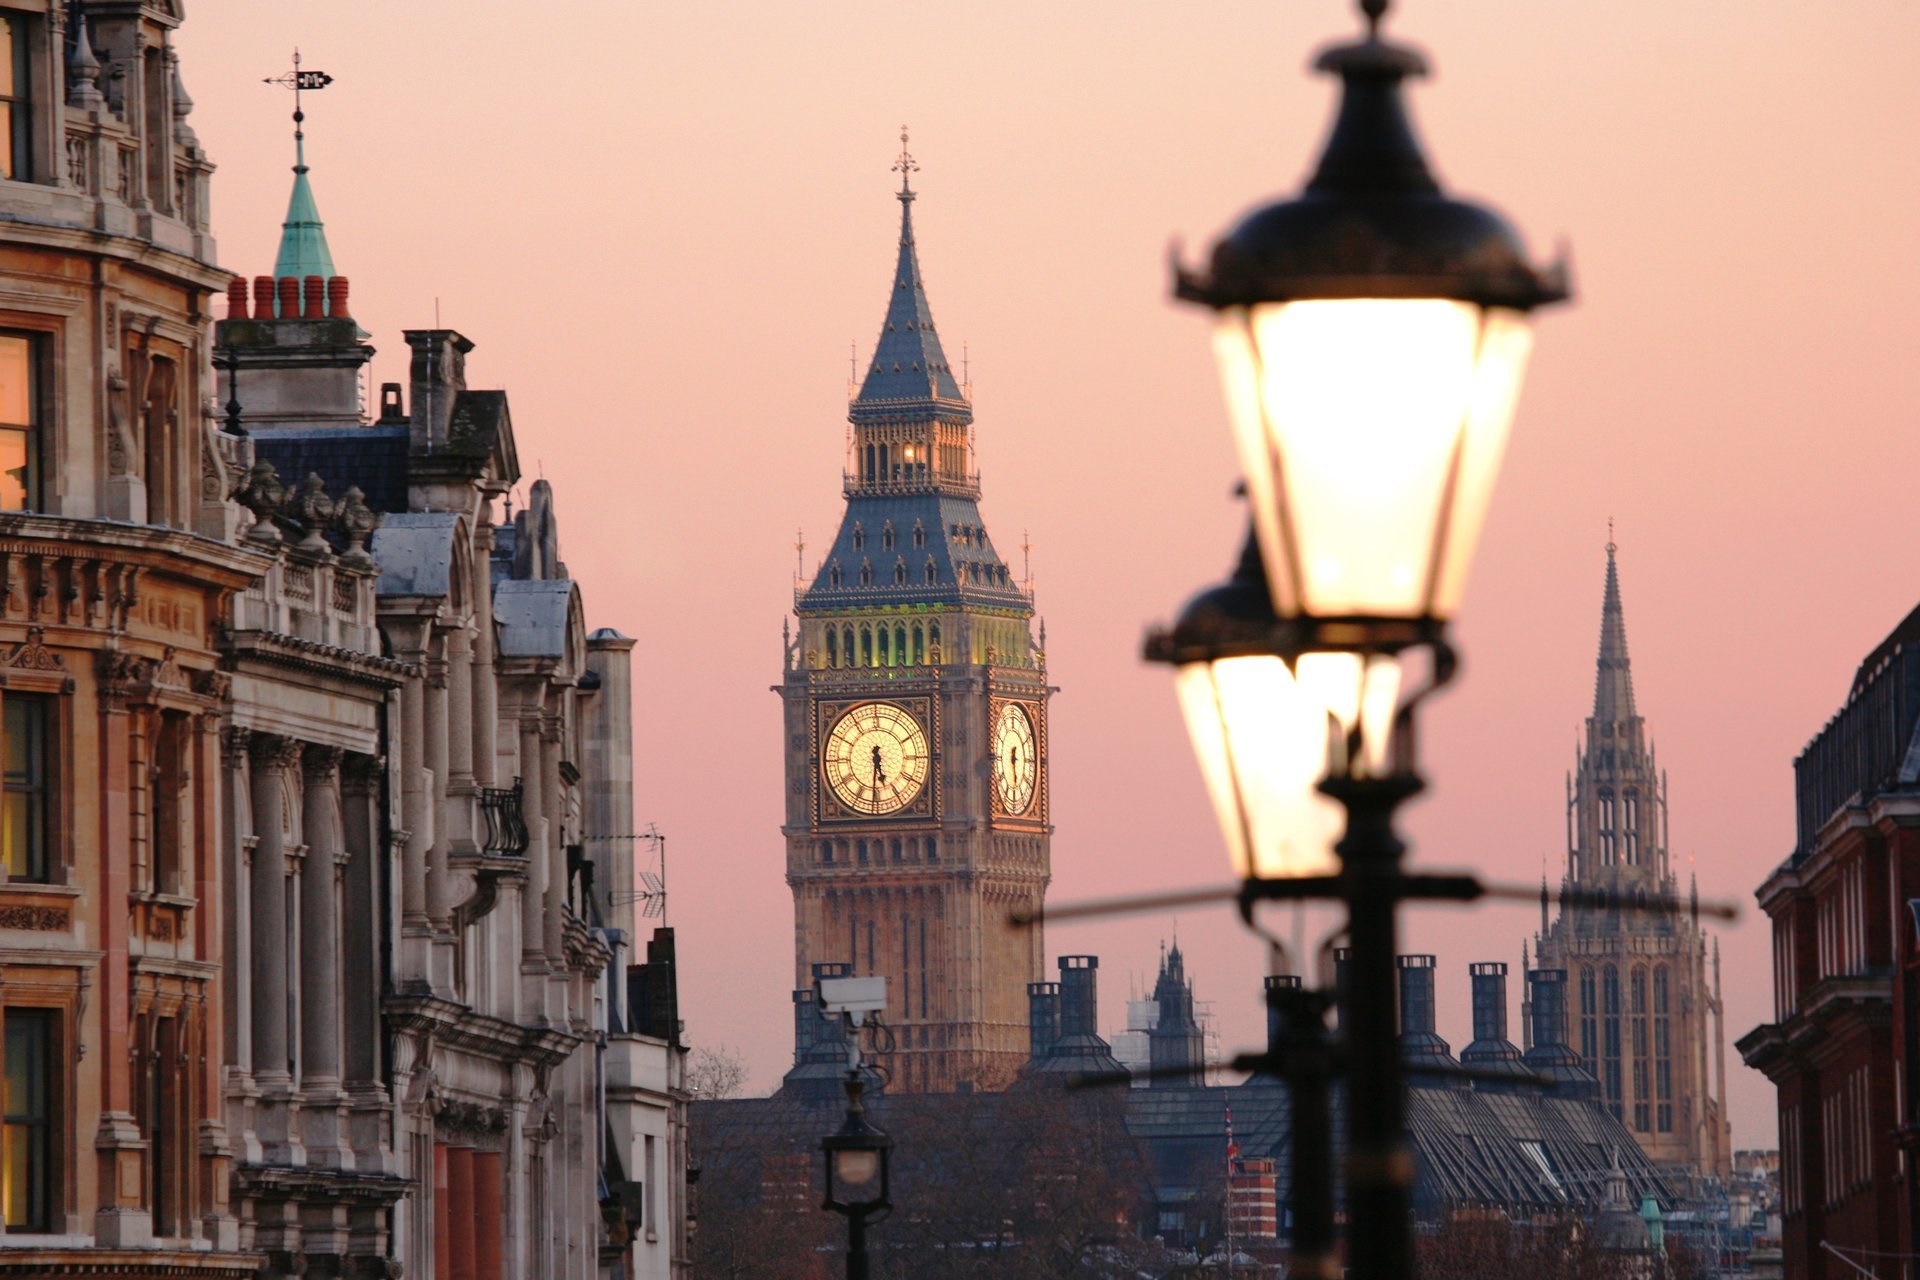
1371	336
858	1156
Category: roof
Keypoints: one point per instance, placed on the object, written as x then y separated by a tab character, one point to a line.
303	237
908	362
531	616
374	458
415	551
954	541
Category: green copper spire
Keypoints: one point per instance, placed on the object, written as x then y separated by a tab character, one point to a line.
303	237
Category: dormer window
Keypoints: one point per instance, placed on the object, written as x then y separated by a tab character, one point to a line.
833	574
859	538
919	535
933	570
866	573
16	100
886	536
900	572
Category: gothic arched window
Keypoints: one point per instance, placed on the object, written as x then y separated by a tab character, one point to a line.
1610	1045
866	647
933	641
919	534
833	574
1630	825
866	573
1607	845
859	538
1662	1052
886	536
1642	1047
919	645
886	650
1589	1022
933	570
846	646
900	644
833	647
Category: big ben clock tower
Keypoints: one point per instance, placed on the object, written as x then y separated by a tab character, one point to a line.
915	714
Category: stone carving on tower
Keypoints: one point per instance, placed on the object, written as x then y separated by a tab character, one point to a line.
915	717
1642	1009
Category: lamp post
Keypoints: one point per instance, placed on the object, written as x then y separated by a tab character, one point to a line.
857	1176
1371	335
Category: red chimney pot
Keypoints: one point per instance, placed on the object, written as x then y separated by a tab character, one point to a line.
316	296
236	299
337	297
263	297
289	297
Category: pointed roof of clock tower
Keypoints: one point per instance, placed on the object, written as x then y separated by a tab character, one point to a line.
909	366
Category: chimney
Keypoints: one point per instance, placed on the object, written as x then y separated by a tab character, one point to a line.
263	297
289	287
1548	988
1489	1000
1416	995
438	376
1276	1019
1043	1017
314	290
337	298
237	299
1079	996
653	995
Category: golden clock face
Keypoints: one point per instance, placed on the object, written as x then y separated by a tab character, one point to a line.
1015	764
876	758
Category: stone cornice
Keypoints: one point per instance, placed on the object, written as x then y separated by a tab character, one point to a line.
292	652
152	546
456	1026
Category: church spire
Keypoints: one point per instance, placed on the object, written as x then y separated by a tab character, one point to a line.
303	237
1613	680
908	362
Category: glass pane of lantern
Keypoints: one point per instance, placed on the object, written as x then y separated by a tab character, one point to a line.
1357	692
1506	340
1261	740
1350	415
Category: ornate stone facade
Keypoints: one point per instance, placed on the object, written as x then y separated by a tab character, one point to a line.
1643	1009
915	723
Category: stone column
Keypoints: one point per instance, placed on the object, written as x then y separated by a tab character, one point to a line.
486	692
238	934
273	759
460	753
555	809
320	1023
415	798
533	903
439	888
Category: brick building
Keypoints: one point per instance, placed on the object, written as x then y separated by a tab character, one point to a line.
1841	1048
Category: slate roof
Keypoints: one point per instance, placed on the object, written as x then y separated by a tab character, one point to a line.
415	552
375	458
967	569
531	616
908	363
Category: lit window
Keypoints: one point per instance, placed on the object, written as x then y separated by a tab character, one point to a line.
26	1148
16	110
23	806
19	425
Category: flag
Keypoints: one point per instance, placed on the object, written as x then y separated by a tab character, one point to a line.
1233	1148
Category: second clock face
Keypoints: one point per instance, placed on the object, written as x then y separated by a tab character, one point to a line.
1015	767
876	758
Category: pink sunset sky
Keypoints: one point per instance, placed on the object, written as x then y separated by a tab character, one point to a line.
663	225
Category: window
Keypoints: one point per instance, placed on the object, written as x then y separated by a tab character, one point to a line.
866	573
23	806
1642	1055
16	98
859	538
1610	1038
19	424
919	534
1589	1023
27	1150
168	807
1662	1053
886	536
833	647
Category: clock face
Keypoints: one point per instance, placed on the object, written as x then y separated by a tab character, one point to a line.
1015	763
876	758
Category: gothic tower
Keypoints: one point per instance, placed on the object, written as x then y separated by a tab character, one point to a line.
915	715
1641	1010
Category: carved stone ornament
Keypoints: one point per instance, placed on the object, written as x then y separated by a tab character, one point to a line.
120	672
32	654
318	762
211	684
314	509
354	520
271	751
263	493
41	919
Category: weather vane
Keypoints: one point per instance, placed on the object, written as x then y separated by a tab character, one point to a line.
299	81
905	164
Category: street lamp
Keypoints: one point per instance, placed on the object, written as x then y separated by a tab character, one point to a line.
857	1176
1371	335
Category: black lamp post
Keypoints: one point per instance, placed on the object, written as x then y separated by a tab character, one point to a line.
857	1176
1372	336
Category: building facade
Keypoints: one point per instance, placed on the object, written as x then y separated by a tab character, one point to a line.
915	724
1844	1041
1643	994
304	964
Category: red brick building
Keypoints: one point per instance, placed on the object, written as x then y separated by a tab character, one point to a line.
1841	1048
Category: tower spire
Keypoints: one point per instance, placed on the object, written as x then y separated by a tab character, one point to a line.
303	237
1613	678
909	365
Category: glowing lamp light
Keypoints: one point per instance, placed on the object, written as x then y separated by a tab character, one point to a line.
1371	336
1266	729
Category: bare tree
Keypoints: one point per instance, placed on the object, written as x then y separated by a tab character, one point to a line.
714	1074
